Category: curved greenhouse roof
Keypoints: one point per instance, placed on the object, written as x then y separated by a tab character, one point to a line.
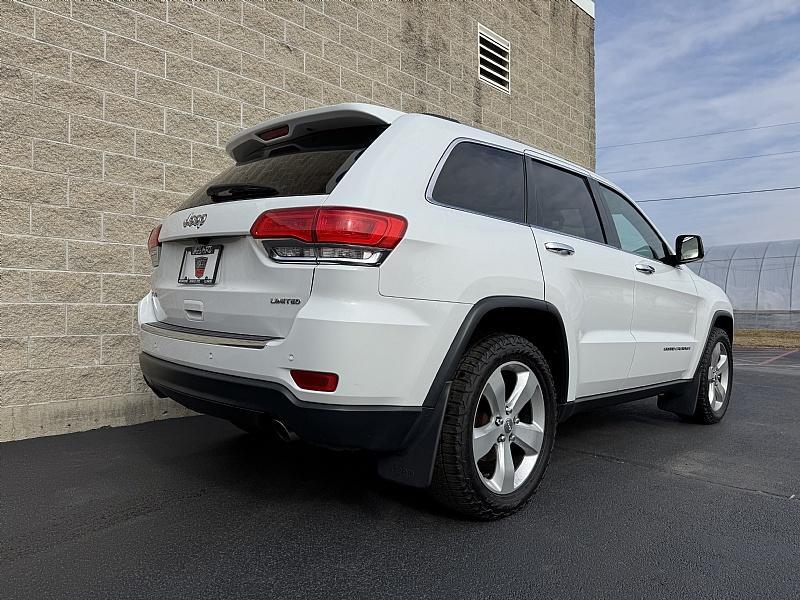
761	278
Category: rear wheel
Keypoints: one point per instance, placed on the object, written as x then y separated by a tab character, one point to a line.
716	379
498	429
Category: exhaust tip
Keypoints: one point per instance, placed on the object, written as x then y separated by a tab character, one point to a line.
283	432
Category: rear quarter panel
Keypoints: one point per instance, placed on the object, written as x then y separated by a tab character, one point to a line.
447	254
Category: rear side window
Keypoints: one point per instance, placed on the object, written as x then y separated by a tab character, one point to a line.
308	165
561	201
483	179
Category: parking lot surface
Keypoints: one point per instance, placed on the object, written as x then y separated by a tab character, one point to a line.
635	504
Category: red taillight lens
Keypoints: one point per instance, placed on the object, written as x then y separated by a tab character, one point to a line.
315	380
331	225
154	245
359	227
152	240
286	223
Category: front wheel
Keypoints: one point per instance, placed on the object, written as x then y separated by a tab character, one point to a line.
716	379
498	429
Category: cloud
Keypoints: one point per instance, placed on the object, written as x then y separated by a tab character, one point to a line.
679	68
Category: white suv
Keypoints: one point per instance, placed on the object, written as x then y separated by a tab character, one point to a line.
436	294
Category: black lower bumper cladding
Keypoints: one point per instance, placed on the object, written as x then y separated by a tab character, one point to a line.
401	433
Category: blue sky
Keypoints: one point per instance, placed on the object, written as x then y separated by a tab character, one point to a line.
675	67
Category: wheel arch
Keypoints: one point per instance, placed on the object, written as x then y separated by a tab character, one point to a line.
414	465
724	320
536	320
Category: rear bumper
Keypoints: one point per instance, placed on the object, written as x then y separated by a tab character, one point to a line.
375	428
386	351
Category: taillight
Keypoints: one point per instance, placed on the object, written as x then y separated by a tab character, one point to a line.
289	223
359	227
315	380
329	234
154	245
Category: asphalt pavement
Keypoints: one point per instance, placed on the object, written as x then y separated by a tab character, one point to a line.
636	504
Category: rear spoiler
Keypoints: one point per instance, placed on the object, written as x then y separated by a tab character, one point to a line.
281	129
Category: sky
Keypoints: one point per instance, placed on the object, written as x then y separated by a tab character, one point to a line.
674	68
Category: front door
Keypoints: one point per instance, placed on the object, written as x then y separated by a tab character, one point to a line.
665	305
585	279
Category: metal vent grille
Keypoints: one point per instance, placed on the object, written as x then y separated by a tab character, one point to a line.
494	59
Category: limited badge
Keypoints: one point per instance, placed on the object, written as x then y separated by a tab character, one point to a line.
200	266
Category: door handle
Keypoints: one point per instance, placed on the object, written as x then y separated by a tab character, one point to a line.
562	249
646	269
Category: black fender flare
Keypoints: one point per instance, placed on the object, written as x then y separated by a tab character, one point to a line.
413	466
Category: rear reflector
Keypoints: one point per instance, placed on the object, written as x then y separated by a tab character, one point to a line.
331	225
315	381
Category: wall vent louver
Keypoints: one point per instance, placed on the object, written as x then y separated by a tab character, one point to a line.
494	56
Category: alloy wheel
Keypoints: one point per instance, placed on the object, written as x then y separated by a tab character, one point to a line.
508	427
718	377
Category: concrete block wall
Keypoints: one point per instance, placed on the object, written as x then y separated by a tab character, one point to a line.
111	112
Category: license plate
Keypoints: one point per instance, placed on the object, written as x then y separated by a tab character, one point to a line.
199	265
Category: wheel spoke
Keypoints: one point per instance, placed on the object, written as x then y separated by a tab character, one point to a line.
537	406
725	369
483	440
529	437
719	393
495	393
722	362
527	385
715	355
503	479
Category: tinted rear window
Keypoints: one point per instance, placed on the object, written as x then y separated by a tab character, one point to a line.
561	201
483	179
308	165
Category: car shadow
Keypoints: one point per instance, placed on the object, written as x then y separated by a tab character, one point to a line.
304	474
300	473
614	418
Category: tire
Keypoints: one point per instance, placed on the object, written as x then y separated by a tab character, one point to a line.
477	489
708	411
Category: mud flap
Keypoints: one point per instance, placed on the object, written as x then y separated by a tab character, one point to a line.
683	402
413	466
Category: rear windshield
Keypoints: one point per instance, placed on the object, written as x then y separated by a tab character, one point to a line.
307	165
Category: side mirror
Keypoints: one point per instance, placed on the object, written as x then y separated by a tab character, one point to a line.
688	248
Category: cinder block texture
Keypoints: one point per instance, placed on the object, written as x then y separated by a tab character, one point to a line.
112	111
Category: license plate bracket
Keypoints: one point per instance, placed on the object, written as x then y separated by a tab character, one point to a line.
200	264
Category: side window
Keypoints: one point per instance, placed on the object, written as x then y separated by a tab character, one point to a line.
483	179
561	201
635	233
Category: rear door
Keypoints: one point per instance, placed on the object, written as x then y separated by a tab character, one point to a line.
585	278
665	305
212	274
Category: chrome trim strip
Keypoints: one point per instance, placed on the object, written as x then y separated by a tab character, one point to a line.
209	337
